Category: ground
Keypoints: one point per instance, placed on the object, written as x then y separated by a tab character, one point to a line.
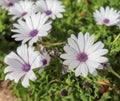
5	94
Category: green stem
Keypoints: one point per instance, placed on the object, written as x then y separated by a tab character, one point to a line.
54	44
88	79
116	38
113	72
116	74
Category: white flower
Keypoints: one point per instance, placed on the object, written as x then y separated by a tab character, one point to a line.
21	65
107	16
22	8
32	28
45	59
83	55
52	8
7	3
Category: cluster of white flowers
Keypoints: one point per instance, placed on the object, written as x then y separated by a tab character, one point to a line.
34	22
107	16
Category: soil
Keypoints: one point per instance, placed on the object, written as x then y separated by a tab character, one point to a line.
5	94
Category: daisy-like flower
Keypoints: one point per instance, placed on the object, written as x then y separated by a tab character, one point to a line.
32	28
21	65
22	8
7	3
52	8
83	55
107	16
45	59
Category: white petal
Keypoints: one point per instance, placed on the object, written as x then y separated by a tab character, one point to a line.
95	47
74	64
17	75
59	15
81	41
92	64
8	76
73	44
90	67
14	62
89	42
69	50
98	53
74	37
13	59
23	53
31	75
25	81
42	6
86	36
33	40
84	69
12	68
101	59
67	62
36	62
25	40
69	56
94	73
78	71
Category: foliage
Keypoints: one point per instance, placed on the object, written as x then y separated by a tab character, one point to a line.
49	84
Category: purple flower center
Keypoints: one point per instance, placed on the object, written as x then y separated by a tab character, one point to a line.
26	67
23	14
64	92
82	57
34	32
48	12
44	61
9	4
86	85
106	21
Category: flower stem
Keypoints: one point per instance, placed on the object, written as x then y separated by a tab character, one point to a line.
53	44
88	79
116	74
116	38
113	72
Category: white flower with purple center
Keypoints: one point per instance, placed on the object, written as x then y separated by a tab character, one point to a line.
21	65
31	28
52	8
22	8
45	60
7	3
107	16
83	55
